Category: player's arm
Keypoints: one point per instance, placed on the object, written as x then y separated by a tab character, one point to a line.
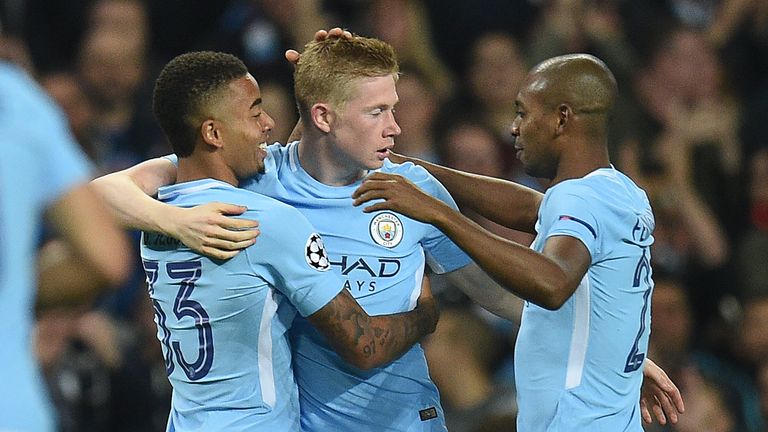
547	279
205	229
483	290
129	193
371	341
94	253
504	202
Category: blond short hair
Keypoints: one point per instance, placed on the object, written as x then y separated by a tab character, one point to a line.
326	69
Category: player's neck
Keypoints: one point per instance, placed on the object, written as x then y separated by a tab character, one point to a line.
578	161
321	162
196	168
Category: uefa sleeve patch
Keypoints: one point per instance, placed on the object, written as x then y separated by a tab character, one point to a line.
428	414
315	254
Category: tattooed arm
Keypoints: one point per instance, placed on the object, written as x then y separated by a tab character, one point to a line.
371	341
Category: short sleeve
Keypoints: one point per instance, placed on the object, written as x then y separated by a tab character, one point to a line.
296	255
567	211
173	159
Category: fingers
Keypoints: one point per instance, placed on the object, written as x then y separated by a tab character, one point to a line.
677	398
659	413
672	399
227	209
334	33
230	223
364	196
224	249
644	413
668	408
292	56
218	253
235	225
376	207
224	234
322	34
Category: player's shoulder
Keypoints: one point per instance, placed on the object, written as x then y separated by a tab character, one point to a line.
409	170
577	187
266	206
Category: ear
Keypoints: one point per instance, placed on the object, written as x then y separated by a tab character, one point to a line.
321	116
564	114
211	134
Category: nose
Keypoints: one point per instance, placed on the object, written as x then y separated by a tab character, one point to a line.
267	122
393	129
514	128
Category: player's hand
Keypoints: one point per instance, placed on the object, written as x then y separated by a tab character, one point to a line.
398	194
320	35
209	230
660	395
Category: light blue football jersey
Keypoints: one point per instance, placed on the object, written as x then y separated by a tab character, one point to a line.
41	161
579	368
381	259
222	324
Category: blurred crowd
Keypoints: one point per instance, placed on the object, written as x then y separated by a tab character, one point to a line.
693	80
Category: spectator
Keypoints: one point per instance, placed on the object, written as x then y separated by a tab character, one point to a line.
416	115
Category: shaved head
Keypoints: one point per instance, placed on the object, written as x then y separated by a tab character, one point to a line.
580	81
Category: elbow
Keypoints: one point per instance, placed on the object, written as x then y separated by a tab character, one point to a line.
554	296
552	304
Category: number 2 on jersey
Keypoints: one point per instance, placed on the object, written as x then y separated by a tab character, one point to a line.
642	277
187	272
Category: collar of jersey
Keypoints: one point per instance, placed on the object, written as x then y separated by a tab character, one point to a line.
167	192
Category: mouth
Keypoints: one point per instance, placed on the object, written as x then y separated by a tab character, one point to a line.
384	152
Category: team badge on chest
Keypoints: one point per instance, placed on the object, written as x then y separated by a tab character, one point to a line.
386	229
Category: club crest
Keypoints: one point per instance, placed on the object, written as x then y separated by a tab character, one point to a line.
386	230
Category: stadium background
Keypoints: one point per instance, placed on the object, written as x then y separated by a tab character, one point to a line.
693	78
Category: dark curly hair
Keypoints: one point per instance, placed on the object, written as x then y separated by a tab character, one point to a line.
185	88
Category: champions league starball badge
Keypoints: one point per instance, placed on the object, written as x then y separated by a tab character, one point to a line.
386	230
316	256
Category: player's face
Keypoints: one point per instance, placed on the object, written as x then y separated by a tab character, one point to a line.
533	130
365	129
247	128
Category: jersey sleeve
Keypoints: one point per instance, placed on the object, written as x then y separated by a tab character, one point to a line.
172	158
568	211
296	255
442	254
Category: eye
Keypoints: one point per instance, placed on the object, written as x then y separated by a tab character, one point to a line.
376	112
